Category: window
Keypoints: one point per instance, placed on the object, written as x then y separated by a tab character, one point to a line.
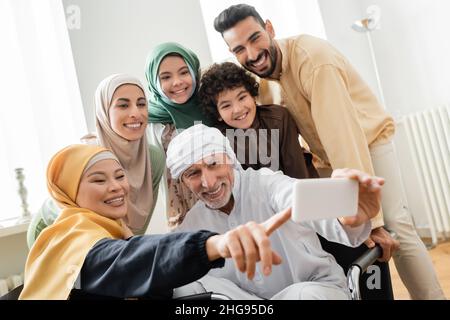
289	17
41	108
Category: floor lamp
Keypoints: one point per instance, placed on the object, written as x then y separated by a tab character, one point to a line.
367	25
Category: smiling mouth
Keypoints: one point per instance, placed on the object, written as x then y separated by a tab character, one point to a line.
116	201
134	125
260	61
214	193
242	117
179	92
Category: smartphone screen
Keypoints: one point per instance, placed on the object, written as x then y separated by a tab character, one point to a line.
316	199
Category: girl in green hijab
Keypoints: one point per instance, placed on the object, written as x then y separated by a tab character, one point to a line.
173	73
174	88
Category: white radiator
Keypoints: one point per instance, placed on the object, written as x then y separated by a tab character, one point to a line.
7	284
423	146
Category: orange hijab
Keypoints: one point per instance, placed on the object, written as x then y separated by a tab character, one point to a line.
56	258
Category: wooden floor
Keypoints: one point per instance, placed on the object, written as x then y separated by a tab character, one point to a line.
440	256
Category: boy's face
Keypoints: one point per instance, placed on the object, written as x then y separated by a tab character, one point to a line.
237	108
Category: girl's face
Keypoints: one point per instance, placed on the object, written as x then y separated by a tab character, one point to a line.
128	112
104	189
175	79
237	108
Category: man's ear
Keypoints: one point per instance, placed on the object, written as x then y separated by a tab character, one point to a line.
269	28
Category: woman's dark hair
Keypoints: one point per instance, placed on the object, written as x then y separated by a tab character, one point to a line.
228	18
221	77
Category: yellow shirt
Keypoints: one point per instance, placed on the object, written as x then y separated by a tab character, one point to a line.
338	115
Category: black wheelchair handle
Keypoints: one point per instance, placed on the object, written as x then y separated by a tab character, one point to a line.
368	258
371	255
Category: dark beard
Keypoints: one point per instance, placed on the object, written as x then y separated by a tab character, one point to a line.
273	55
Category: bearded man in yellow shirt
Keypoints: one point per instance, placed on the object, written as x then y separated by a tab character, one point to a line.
341	121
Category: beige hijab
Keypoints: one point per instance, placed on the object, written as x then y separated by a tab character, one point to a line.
133	155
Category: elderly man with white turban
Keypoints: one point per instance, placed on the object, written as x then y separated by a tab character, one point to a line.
230	196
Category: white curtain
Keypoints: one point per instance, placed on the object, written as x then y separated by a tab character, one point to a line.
289	18
41	108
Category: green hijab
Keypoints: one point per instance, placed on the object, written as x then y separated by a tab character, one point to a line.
161	109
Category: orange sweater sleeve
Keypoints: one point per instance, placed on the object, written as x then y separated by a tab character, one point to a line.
337	124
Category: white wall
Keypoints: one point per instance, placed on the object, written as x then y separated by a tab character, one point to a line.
411	49
116	36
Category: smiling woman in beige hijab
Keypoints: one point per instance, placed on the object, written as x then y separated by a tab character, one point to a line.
122	131
134	155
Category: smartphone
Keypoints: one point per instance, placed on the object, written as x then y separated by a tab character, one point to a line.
316	199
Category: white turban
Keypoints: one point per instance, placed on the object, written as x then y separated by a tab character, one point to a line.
195	144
